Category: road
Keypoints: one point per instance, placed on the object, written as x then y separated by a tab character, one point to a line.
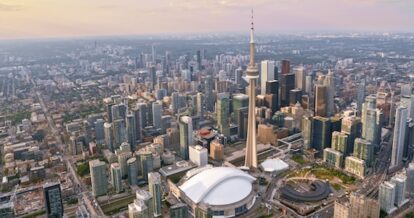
83	195
370	185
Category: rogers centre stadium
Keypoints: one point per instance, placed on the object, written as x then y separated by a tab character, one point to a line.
218	191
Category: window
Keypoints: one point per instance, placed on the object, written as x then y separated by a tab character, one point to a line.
218	213
240	210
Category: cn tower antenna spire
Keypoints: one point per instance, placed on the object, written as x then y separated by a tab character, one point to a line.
252	21
252	29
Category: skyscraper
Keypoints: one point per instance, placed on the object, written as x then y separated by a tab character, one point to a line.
119	132
300	78
267	74
123	157
156	114
116	177
321	132
371	118
285	66
320	100
352	127
410	179
386	197
238	73
242	120
287	83
131	130
153	53
360	95
53	200
330	93
109	136
399	136
340	142
138	126
223	111
200	104
186	135
99	131
154	185
208	90
132	166
145	163
251	74
400	182
143	112
97	170
295	96
309	84
363	149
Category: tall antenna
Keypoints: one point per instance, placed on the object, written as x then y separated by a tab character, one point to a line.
252	30
252	21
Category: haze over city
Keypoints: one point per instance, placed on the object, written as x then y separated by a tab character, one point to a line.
207	108
77	18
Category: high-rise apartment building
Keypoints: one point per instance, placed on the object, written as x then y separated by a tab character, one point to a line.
399	136
53	199
267	74
99	182
186	135
116	177
154	185
223	111
386	197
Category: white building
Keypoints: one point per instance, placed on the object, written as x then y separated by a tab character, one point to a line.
399	181
410	179
386	197
198	155
219	191
300	78
267	74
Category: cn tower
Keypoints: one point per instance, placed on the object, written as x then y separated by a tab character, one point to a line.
252	74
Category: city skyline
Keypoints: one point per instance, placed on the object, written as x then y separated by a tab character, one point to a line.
101	121
47	18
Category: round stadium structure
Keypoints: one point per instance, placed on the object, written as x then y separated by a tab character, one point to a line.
218	192
319	191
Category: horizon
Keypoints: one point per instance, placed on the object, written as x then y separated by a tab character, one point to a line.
26	19
206	35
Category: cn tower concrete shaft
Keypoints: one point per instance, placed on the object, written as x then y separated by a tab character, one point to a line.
251	147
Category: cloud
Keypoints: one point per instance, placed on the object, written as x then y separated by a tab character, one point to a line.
7	7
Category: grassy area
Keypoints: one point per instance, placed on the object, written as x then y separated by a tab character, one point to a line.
82	169
337	187
117	206
72	201
299	159
409	215
329	174
19	116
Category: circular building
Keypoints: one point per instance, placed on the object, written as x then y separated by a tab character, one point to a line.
219	191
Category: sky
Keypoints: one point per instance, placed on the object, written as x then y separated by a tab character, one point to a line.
77	18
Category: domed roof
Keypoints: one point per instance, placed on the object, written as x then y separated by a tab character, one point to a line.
218	186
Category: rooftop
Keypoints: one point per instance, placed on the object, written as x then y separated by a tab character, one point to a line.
218	186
